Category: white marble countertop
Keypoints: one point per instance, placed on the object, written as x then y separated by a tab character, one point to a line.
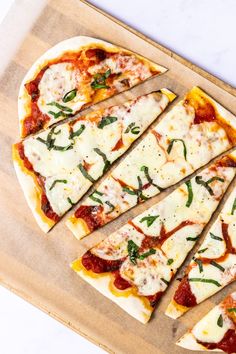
201	31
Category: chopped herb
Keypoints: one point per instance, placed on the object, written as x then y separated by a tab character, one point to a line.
172	141
146	254
111	206
217	266
106	162
132	251
232	309
137	191
63	148
69	96
170	261
233	207
149	219
165	281
106	121
220	321
190	193
192	238
148	177
63	108
85	173
215	237
50	142
56	114
100	80
205	184
199	263
95	199
70	201
132	128
203	250
202	280
57	181
77	132
129	191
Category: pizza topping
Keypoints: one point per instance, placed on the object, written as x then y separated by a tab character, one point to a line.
111	206
85	173
220	321
149	219
190	193
203	250
145	169
106	121
70	201
170	261
91	215
57	181
233	207
99	265
106	162
77	132
95	199
133	252
172	141
69	96
203	280
192	238
132	128
227	344
217	265
205	184
100	80
119	282
184	296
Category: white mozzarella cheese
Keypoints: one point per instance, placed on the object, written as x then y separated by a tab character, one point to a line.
207	330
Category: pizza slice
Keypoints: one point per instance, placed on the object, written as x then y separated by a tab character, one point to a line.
134	265
57	166
196	130
74	75
216	331
213	266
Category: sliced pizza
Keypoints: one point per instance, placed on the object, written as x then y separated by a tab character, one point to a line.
216	331
196	130
57	166
134	265
213	266
75	74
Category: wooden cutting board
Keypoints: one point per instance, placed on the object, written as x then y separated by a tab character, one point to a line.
36	266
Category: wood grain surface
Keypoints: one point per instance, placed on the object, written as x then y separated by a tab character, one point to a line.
35	265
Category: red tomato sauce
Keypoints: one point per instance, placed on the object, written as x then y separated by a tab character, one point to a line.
118	145
99	265
183	295
227	343
119	282
91	214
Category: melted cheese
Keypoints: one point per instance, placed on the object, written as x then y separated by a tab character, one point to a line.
147	274
207	330
165	166
56	165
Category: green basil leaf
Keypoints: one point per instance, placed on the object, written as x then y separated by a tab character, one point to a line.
132	249
57	181
172	141
85	173
192	238
233	207
203	250
61	107
148	177
205	184
95	199
70	201
170	261
232	309
77	132
149	219
217	265
133	129
106	121
69	96
111	206
106	162
220	321
190	193
203	280
146	254
199	263
214	237
165	281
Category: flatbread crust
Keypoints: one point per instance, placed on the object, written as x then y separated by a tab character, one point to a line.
226	121
74	44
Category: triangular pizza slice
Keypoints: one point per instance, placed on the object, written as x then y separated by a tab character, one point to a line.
196	130
57	166
74	75
216	331
213	266
134	265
